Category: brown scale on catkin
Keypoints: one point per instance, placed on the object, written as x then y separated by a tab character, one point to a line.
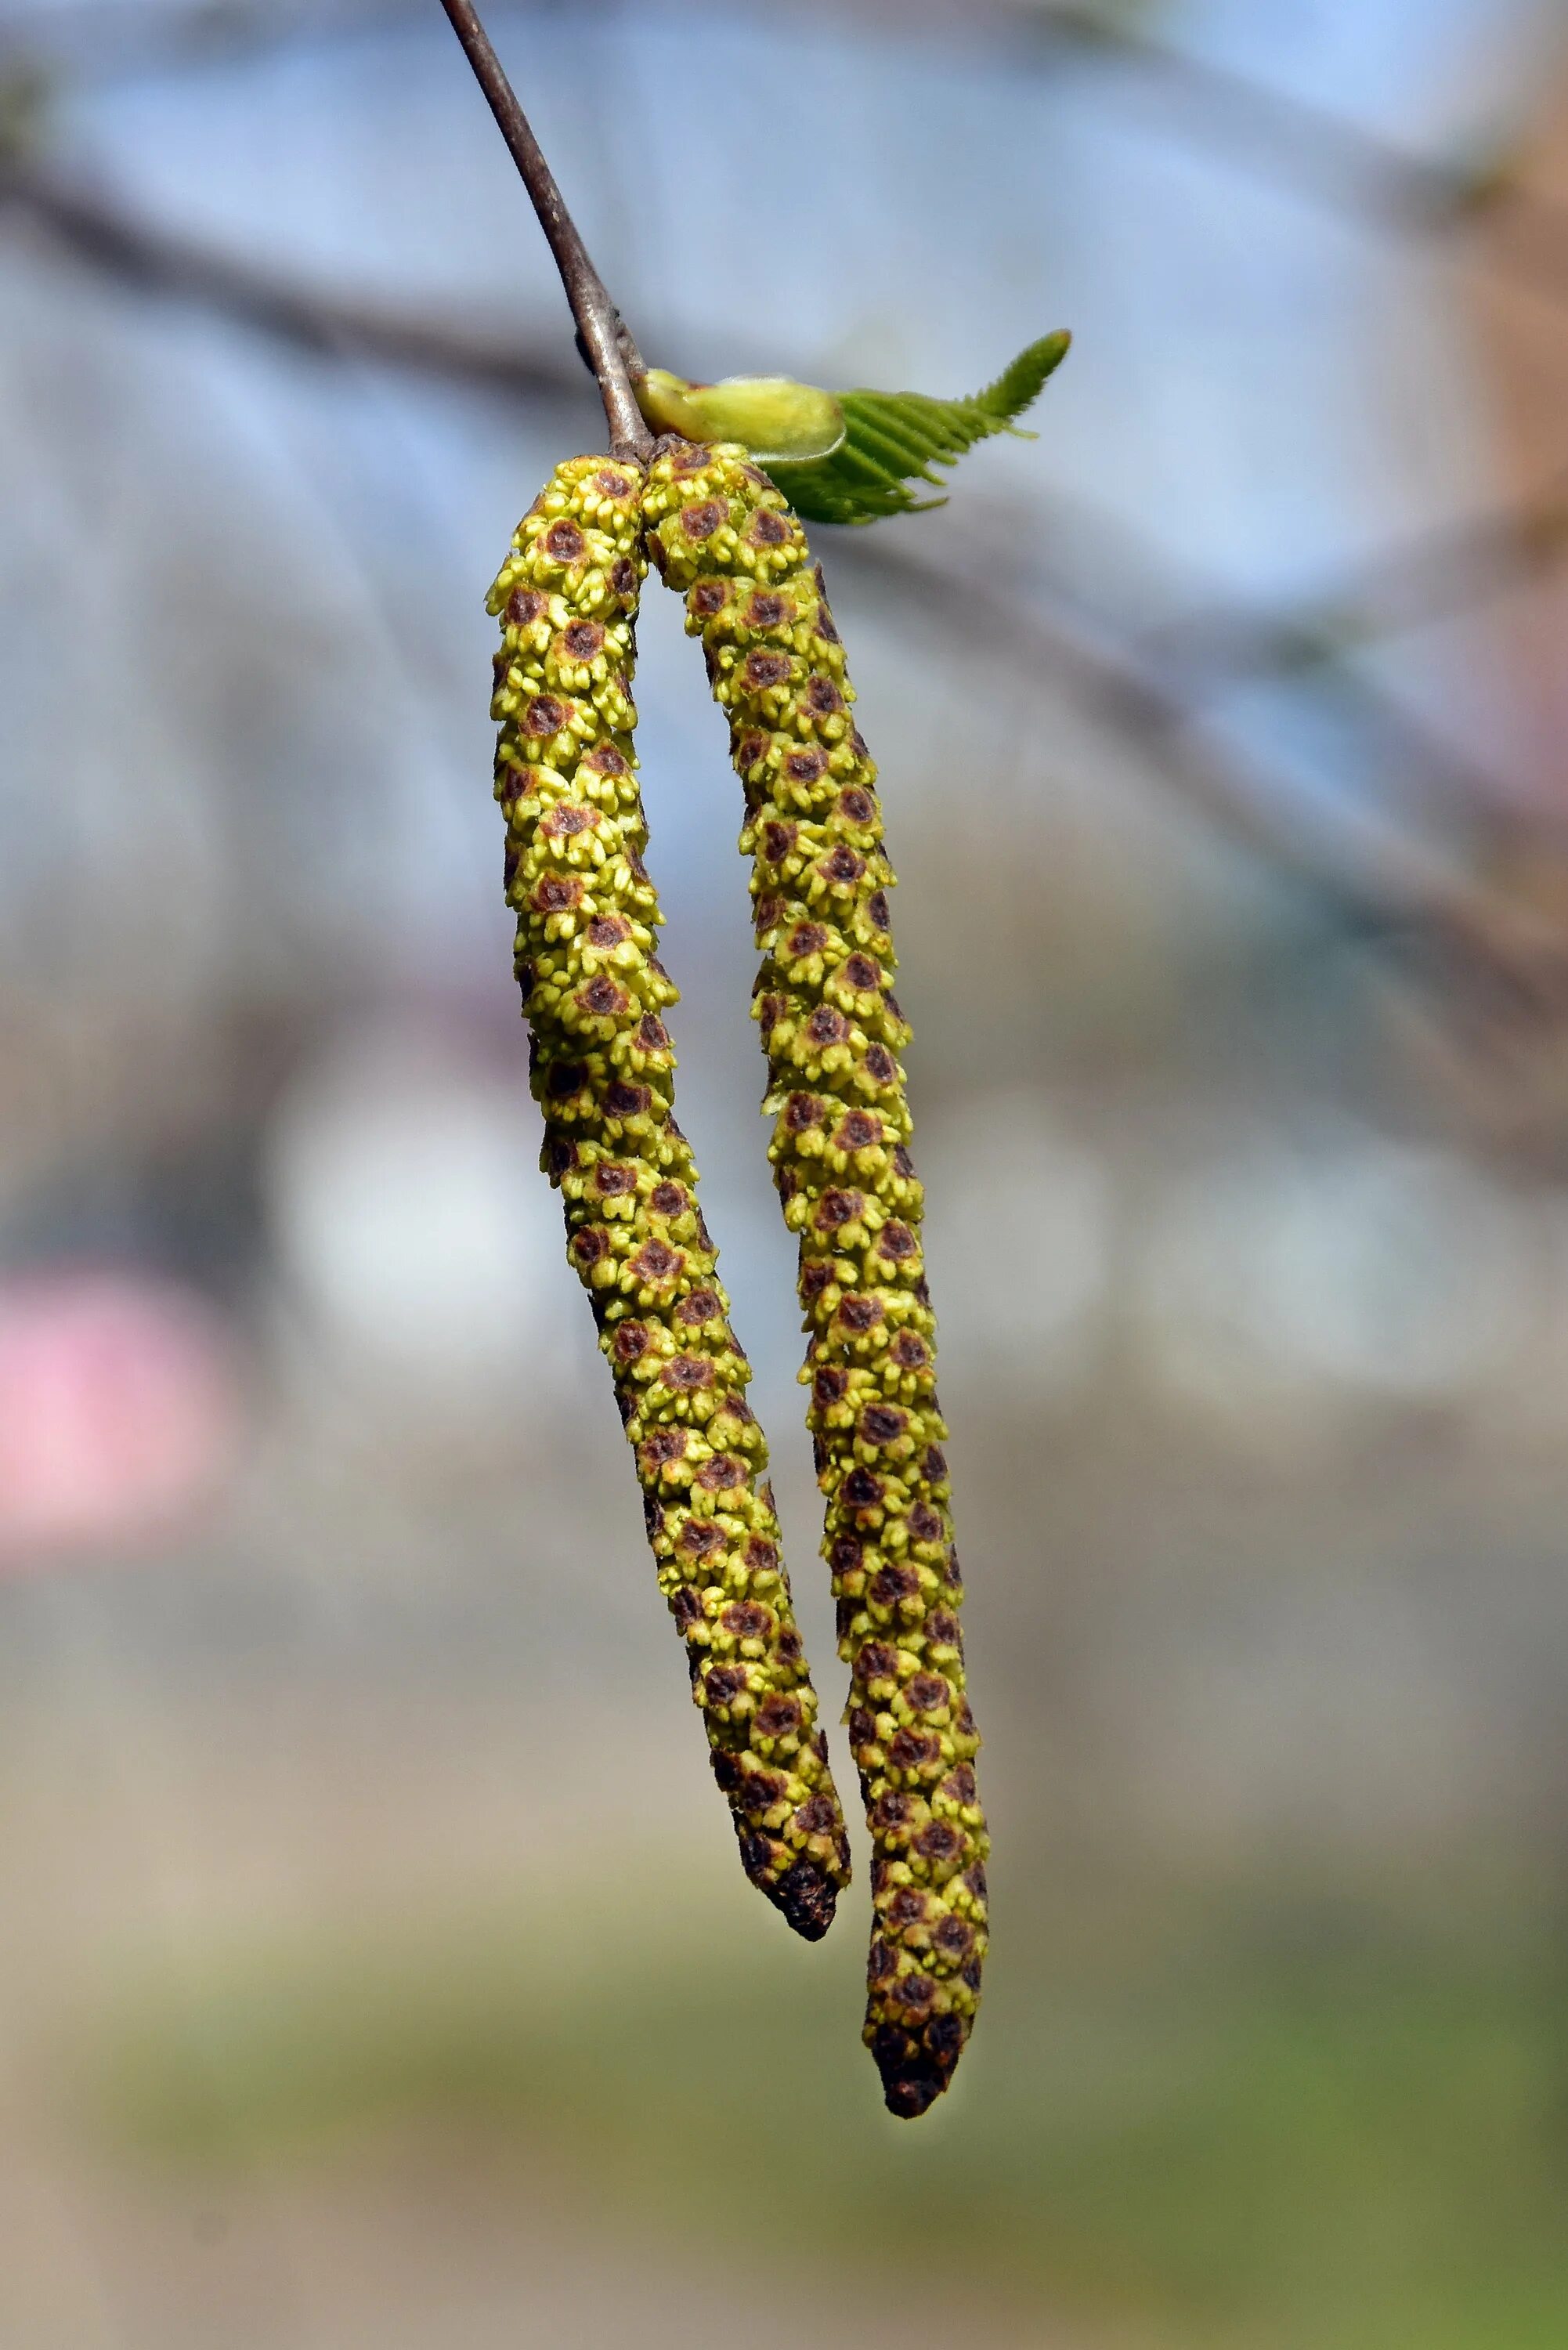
600	1062
722	535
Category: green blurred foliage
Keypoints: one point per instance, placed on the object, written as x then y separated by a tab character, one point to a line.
1314	2123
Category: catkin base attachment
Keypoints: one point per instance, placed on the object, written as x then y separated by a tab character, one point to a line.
831	1026
601	1068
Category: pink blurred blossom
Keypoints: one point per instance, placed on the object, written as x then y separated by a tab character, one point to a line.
119	1412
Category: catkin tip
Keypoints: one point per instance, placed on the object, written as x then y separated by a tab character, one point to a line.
909	2087
806	1897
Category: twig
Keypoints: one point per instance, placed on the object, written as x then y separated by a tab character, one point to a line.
600	335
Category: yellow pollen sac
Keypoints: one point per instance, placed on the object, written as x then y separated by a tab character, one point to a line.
600	1069
724	538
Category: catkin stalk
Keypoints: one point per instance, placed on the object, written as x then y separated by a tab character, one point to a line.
832	1029
594	995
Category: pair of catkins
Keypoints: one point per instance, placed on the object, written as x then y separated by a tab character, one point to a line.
596	997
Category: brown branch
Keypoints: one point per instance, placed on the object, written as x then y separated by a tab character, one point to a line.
599	331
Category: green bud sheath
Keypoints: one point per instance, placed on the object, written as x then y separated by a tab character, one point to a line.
772	415
831	1028
600	1066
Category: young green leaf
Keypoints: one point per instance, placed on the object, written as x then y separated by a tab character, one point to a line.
894	438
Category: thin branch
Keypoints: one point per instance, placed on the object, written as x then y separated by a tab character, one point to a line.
600	335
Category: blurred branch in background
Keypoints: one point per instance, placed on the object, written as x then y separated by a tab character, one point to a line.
1265	131
1150	688
94	40
95	229
1390	886
1287	141
1439	576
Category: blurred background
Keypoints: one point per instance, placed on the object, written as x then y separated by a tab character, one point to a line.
375	1966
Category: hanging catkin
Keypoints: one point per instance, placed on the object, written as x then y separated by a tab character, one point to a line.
832	1029
600	1062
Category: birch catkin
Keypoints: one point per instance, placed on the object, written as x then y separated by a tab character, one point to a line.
600	1066
832	1029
